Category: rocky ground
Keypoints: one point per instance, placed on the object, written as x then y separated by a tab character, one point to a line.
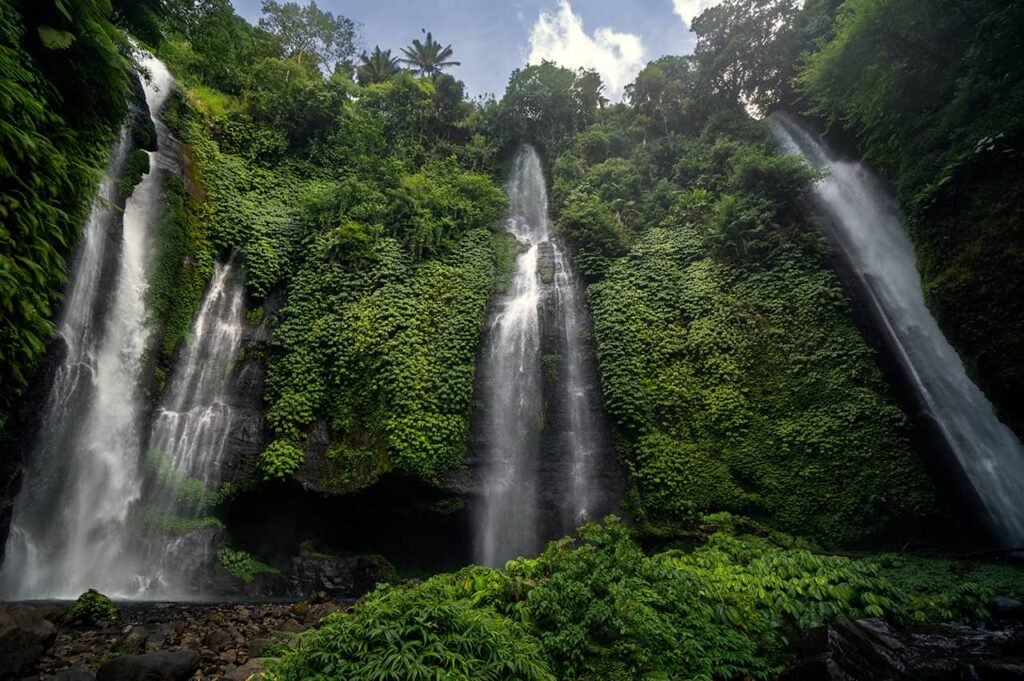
152	641
233	641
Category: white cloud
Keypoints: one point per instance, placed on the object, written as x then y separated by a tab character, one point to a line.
560	37
688	10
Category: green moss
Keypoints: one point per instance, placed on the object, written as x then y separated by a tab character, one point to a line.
349	469
254	316
184	264
143	131
92	608
191	494
506	251
136	166
552	363
970	251
242	565
280	460
731	367
159	524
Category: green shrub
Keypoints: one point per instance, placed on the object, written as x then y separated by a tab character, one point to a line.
92	608
596	607
281	460
136	165
399	634
241	564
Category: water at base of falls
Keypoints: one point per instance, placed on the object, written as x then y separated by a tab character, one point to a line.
537	487
70	529
865	224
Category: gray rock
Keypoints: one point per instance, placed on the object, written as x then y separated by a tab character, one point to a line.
250	670
872	649
159	666
24	636
76	673
1000	671
341	577
1004	608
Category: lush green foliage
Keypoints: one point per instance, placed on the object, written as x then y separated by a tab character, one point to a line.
428	57
932	93
91	608
730	363
63	88
241	564
596	607
356	201
184	263
401	634
307	33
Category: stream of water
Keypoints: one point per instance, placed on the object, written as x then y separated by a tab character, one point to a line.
528	498
865	224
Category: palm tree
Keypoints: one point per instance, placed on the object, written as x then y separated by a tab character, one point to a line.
376	67
428	58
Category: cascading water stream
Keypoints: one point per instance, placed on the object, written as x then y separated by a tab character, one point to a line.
70	525
514	518
190	432
581	424
865	224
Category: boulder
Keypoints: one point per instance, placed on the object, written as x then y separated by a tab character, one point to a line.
1003	608
337	576
24	636
872	649
76	673
1000	671
159	666
250	670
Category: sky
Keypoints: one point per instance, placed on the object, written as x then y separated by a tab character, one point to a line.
492	38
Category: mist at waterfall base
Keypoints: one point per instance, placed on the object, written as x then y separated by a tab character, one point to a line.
547	458
864	223
79	520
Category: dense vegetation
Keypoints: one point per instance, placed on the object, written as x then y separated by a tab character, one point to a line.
362	203
360	193
64	89
731	367
596	607
931	94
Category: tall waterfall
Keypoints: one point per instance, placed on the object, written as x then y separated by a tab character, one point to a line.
70	526
190	431
866	226
532	493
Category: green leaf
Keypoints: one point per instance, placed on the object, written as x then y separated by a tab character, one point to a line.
55	39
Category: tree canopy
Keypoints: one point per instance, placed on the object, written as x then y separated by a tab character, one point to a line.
309	34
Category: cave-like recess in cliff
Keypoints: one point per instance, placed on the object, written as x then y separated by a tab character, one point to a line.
420	529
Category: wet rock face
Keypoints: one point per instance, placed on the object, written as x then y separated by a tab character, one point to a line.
338	577
872	649
24	635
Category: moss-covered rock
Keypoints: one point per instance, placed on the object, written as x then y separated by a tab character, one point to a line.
92	608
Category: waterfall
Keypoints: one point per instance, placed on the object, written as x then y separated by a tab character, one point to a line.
865	224
190	432
70	526
521	505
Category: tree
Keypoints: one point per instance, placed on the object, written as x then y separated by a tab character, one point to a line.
746	50
670	97
310	34
546	103
376	67
428	58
